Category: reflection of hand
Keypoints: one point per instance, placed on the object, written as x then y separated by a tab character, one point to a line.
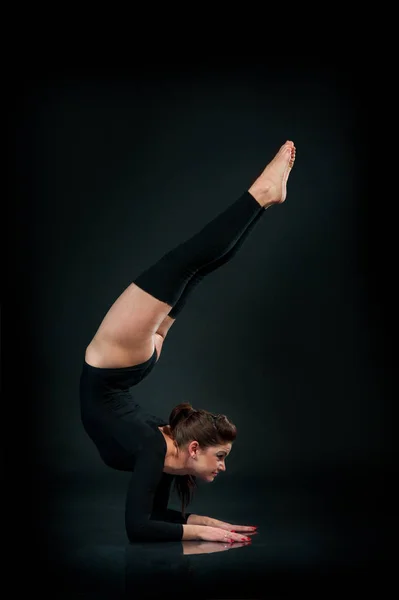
194	547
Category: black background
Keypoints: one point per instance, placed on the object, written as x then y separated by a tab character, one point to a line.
291	339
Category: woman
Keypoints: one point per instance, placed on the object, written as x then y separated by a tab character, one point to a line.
125	349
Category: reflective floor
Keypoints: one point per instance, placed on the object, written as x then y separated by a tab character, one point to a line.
317	536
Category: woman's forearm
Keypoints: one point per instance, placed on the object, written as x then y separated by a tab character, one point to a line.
193	532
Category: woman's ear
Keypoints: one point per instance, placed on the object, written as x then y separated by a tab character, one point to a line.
193	449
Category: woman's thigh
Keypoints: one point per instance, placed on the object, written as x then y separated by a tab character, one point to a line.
127	334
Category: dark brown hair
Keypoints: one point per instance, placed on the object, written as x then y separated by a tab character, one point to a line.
187	424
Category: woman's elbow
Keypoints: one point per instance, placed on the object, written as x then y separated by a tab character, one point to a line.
135	531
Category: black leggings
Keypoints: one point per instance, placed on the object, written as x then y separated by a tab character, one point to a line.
173	278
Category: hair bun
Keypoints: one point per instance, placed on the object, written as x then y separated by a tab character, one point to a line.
179	413
185	407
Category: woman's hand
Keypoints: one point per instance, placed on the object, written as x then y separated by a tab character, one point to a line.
249	529
216	534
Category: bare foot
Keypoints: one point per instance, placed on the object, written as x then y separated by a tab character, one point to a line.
271	186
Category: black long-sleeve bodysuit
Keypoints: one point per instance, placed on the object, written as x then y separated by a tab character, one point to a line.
126	435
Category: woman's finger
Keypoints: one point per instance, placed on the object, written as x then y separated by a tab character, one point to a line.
238	537
246	528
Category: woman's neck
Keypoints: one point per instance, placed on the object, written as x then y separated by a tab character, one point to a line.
173	463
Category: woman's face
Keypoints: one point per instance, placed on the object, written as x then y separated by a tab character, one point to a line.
207	463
